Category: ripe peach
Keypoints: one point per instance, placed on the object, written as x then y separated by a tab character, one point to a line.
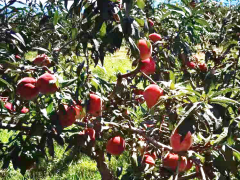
178	145
116	145
17	57
155	37
10	107
189	165
151	23
171	161
202	67
191	65
151	94
24	110
91	133
27	89
67	117
45	85
79	112
42	60
148	159
145	49
95	105
148	66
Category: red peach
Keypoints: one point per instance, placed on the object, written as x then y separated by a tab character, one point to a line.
27	89
148	159
9	106
91	133
17	57
151	23
145	49
68	117
95	105
148	66
155	37
189	165
171	161
191	65
202	67
151	94
116	145
45	85
42	60
178	145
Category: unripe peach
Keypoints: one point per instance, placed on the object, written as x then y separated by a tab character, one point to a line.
191	65
171	161
148	66
151	94
47	84
116	145
155	37
179	145
202	67
95	105
27	89
148	159
145	49
42	60
67	117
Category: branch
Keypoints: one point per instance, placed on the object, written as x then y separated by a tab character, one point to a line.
150	79
132	73
189	176
142	133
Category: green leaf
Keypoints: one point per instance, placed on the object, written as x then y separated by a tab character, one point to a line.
55	18
74	33
103	29
67	83
6	83
223	100
50	108
222	135
202	22
141	4
19	38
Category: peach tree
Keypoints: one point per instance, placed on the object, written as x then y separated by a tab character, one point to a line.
174	116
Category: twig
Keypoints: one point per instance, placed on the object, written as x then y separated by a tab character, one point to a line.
189	176
150	79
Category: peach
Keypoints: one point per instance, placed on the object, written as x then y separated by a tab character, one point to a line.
26	88
148	66
17	57
10	107
191	65
116	145
79	112
95	105
67	117
189	165
171	161
91	133
145	49
151	23
42	60
202	67
178	145
155	37
45	85
151	94
148	159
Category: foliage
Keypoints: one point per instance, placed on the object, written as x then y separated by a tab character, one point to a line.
202	101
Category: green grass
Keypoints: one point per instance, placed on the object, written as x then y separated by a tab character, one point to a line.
62	167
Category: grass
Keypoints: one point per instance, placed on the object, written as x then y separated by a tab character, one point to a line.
84	168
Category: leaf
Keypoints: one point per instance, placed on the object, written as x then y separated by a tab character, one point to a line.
222	135
141	4
19	38
55	18
41	49
202	22
103	29
6	83
67	83
223	100
50	108
74	33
